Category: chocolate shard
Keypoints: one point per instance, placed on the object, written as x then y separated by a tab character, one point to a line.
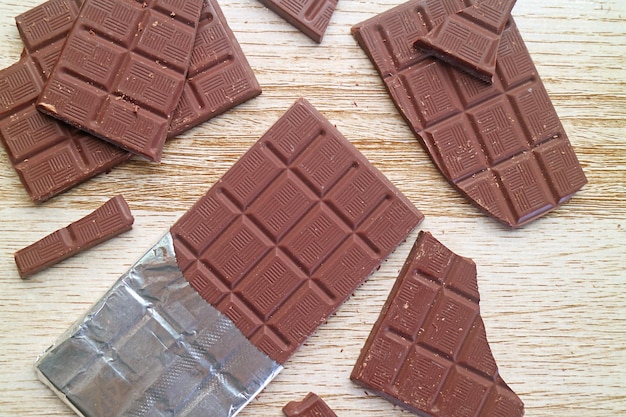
311	406
310	17
501	145
469	39
49	157
290	231
428	351
107	221
122	70
219	76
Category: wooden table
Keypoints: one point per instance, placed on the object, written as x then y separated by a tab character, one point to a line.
553	293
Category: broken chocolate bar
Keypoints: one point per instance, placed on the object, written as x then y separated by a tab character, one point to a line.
311	406
49	156
122	70
310	17
501	145
290	231
205	320
107	221
428	351
469	39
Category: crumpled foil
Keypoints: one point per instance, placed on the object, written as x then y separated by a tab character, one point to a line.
153	347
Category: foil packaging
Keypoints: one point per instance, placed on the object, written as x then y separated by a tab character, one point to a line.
153	347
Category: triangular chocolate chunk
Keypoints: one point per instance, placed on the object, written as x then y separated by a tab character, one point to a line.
428	351
469	39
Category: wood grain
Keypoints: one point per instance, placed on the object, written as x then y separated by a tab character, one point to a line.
553	296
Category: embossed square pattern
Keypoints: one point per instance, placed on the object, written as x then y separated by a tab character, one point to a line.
310	17
428	351
122	69
502	144
290	231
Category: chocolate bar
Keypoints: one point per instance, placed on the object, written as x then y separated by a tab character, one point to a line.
469	39
219	76
219	79
501	145
311	406
122	70
428	351
49	157
107	221
310	17
205	319
290	231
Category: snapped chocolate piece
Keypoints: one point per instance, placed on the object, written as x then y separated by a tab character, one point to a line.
290	231
310	17
49	156
107	221
219	76
311	406
501	145
428	351
122	70
469	39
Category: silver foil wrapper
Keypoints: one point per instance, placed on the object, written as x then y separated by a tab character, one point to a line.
153	347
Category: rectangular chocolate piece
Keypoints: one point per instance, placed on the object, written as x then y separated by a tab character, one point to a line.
501	145
49	156
428	351
310	17
469	39
219	76
122	70
109	220
290	231
311	406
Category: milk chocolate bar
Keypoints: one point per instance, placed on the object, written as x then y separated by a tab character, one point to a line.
501	145
310	17
122	70
107	221
49	157
469	39
311	406
290	231
428	351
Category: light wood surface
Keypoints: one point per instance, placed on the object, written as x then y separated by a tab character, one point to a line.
553	293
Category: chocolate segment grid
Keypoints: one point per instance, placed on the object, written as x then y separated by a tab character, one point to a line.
122	70
109	220
310	17
49	156
311	406
469	39
290	231
428	351
501	145
219	76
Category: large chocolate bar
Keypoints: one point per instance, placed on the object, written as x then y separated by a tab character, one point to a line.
107	221
49	157
310	17
428	351
469	39
290	231
311	406
501	145
122	70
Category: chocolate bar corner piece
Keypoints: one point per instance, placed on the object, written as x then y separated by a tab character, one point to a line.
310	17
469	39
501	145
122	70
219	76
311	406
290	231
428	351
106	222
